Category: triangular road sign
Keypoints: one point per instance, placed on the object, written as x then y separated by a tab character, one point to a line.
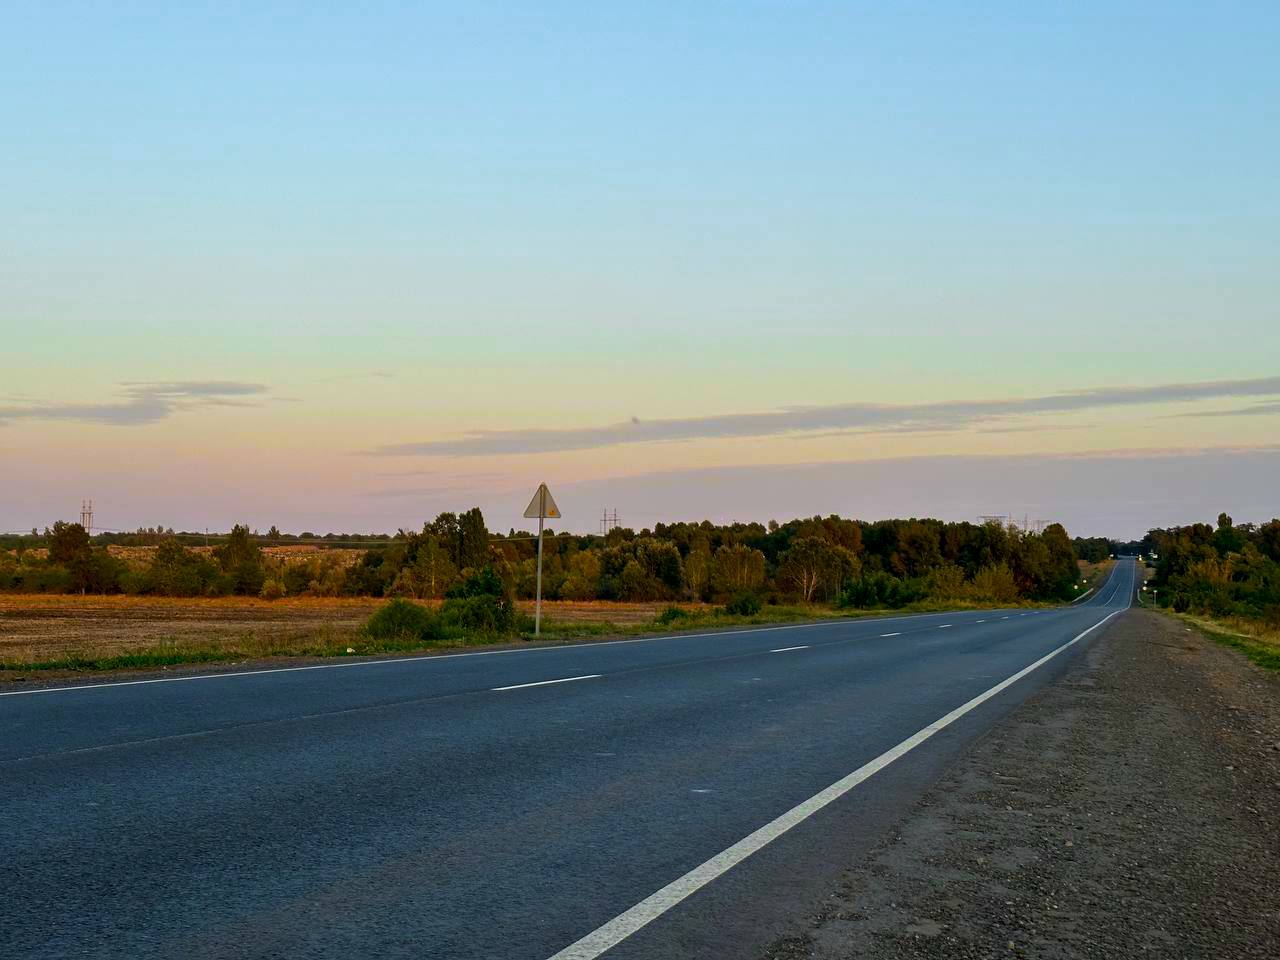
542	506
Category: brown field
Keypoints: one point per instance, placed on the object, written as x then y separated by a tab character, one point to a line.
1095	573
36	627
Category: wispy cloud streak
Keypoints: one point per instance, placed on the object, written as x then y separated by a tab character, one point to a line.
142	403
1256	410
861	417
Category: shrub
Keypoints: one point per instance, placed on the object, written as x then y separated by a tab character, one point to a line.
744	605
671	615
400	619
995	583
881	590
484	613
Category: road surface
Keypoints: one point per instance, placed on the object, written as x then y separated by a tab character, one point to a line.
681	796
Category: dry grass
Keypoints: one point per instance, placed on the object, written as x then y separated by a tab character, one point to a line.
1095	573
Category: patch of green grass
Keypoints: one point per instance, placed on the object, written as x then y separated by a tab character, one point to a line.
1260	649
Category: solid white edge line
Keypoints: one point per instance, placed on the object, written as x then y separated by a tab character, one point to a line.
543	683
647	910
428	658
785	649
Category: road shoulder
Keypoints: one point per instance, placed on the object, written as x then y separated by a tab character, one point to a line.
1127	809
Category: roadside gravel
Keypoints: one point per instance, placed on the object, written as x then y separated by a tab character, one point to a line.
1130	809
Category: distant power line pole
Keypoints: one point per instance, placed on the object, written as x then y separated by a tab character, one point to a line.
86	516
608	521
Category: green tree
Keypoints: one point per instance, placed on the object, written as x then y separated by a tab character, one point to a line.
583	581
473	540
238	548
737	569
68	543
697	569
70	548
240	558
803	566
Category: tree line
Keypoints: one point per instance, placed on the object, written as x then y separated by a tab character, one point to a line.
1222	569
819	559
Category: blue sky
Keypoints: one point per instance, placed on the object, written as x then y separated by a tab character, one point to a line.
395	226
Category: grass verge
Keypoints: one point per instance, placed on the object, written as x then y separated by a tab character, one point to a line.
1257	641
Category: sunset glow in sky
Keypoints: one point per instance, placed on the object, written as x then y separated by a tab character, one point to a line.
344	267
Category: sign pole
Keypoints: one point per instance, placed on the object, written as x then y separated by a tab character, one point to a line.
537	614
541	506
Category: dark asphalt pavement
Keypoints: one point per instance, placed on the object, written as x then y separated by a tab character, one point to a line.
409	809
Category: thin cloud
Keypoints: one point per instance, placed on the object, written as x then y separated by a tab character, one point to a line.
1038	428
143	403
1257	410
862	417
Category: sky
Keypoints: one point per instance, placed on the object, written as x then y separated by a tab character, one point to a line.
344	266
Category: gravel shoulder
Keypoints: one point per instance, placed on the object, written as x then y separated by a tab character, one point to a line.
1129	809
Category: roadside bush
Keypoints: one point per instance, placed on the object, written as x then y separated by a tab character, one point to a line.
399	619
879	589
995	583
480	603
671	615
484	613
744	605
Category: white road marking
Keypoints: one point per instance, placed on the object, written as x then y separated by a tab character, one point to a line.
785	649
543	683
428	658
655	905
945	625
979	621
891	634
1004	618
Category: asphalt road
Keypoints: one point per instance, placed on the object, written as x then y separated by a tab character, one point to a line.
416	808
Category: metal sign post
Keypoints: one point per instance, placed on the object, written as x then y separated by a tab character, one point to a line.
542	507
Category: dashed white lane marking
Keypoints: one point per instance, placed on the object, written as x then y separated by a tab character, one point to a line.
655	905
543	683
945	625
785	649
447	656
1004	618
979	621
891	634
